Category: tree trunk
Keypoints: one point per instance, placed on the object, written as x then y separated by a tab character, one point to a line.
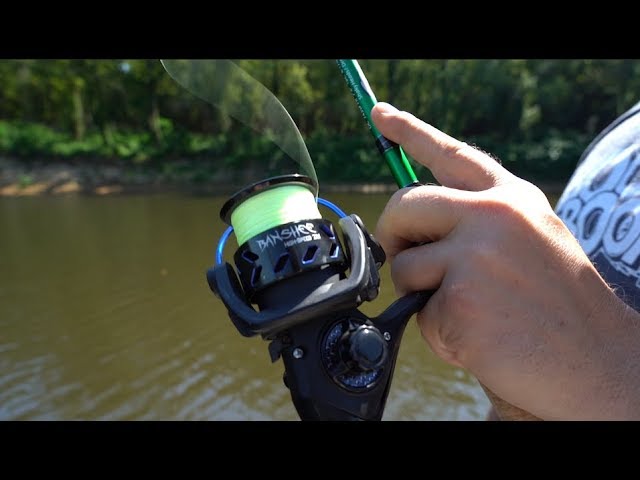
154	117
78	110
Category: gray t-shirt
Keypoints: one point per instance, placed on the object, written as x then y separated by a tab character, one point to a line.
601	205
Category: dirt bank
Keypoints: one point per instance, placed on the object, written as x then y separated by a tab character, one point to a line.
19	178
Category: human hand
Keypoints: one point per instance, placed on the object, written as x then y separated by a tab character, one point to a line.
519	304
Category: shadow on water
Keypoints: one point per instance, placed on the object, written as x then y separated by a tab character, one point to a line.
105	314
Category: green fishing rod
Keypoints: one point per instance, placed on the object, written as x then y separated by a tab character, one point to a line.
392	152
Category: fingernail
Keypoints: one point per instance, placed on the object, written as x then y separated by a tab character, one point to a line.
386	108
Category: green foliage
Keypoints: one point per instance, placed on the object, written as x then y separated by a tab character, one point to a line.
537	116
553	157
25	180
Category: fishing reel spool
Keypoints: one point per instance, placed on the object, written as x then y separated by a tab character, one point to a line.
299	286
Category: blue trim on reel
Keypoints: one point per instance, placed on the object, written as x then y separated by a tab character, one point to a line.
331	206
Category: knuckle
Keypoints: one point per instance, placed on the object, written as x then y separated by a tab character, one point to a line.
504	214
489	155
460	149
533	193
400	275
454	148
395	204
386	218
391	217
396	198
409	271
498	208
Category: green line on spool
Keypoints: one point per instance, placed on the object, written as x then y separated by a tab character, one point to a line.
273	207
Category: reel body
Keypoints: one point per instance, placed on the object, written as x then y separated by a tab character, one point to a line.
307	287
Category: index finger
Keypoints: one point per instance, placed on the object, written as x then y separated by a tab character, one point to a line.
454	163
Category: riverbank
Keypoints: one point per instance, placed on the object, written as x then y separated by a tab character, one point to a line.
23	179
20	179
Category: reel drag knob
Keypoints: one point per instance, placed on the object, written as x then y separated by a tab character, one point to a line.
363	348
355	354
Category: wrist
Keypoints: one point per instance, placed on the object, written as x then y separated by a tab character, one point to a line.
615	379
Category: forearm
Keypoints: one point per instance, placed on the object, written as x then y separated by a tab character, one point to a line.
617	394
610	389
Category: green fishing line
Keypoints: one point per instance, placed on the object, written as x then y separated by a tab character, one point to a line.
273	207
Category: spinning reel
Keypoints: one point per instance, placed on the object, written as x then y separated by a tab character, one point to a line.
307	285
297	278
